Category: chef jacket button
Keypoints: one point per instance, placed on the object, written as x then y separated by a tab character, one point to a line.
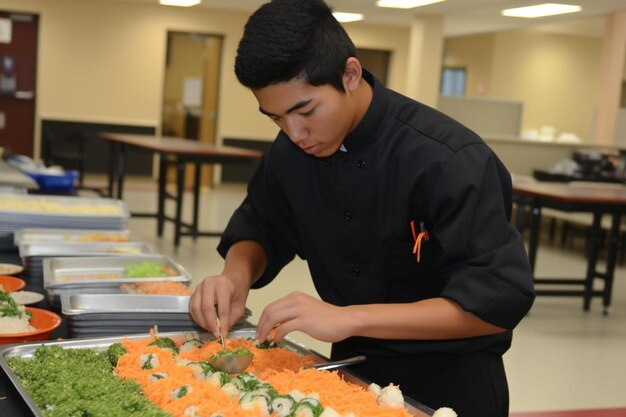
327	162
344	158
356	271
348	216
361	164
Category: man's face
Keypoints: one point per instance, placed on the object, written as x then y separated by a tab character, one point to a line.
317	119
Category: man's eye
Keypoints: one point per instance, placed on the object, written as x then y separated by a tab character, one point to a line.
308	113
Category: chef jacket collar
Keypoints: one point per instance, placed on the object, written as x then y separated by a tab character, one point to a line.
365	132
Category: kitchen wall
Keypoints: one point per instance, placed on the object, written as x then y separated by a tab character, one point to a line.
554	75
103	61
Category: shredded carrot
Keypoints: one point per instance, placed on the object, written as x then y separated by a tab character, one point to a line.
161	288
281	368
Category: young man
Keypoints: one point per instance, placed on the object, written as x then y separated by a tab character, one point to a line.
400	212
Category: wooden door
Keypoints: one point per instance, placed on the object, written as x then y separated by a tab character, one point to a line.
191	92
18	68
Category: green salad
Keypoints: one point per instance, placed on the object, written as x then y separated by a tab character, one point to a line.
80	382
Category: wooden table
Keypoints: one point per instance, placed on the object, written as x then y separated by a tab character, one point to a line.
595	200
181	152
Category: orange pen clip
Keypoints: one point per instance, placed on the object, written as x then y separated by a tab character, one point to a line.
418	237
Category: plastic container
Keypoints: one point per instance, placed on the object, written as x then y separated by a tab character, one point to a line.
56	183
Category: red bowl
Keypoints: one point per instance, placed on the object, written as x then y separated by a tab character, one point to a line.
43	321
11	284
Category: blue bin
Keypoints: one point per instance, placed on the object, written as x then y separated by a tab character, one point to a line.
56	183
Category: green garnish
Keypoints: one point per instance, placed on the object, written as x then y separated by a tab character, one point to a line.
9	308
145	269
115	352
267	344
148	364
165	343
233	352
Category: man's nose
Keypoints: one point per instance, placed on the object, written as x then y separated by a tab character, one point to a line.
296	130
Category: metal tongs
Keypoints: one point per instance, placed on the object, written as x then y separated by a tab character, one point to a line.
219	327
338	364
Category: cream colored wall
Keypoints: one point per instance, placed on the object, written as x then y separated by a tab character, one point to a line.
475	53
556	76
104	61
394	39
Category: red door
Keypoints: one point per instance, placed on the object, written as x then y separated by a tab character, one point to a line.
18	63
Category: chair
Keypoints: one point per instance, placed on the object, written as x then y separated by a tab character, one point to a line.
583	221
67	151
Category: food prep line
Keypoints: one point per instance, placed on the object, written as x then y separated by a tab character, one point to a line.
101	344
12	400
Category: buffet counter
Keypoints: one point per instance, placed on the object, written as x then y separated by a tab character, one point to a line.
13	403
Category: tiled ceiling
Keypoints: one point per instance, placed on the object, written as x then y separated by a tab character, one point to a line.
463	16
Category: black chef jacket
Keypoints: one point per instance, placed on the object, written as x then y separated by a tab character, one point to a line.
348	215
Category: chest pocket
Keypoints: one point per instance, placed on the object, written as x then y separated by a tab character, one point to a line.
409	280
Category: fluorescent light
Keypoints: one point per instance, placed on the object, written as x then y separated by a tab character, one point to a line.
541	10
179	3
405	4
347	17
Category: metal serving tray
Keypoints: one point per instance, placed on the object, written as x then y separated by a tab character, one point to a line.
82	267
121	304
61	248
26	351
67	235
116	309
120	210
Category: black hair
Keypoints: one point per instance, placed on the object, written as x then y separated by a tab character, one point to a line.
286	39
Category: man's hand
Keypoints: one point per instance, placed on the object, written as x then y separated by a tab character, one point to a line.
228	293
301	312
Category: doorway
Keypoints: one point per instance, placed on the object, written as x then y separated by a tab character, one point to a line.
190	92
18	69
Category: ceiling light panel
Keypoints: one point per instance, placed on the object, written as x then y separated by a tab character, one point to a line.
347	17
180	3
405	4
541	10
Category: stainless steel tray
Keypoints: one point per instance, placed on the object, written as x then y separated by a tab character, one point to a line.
73	272
67	235
61	248
27	350
122	309
81	304
25	206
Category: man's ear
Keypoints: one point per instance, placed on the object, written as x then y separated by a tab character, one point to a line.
352	74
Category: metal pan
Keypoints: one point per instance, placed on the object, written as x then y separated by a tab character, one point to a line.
70	235
78	272
27	350
62	248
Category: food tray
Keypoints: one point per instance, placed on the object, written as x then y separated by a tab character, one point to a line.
27	350
76	208
119	305
30	250
74	272
76	267
69	235
122	306
98	314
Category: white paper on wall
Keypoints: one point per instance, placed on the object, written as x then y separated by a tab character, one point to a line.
192	92
6	30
